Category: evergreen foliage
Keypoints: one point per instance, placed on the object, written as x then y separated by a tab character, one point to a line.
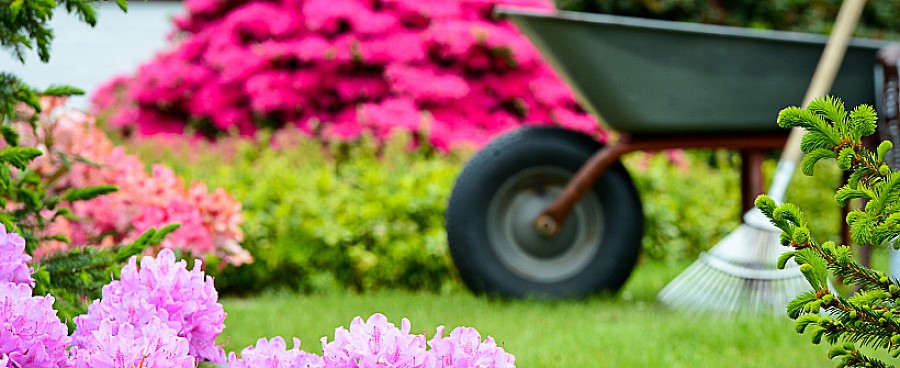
871	316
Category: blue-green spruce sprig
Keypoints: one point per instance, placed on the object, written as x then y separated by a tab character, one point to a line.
870	317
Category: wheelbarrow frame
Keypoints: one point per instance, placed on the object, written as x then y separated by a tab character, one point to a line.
654	85
752	133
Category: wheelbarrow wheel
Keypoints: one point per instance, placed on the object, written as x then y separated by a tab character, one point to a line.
507	184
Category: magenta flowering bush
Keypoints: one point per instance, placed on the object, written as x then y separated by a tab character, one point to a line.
443	70
79	154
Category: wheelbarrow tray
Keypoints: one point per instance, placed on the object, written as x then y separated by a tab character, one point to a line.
645	76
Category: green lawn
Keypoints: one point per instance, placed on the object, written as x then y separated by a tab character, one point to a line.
626	330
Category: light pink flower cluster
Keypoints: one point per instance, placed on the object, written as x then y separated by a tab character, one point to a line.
31	335
464	348
13	259
379	343
210	221
375	342
445	69
161	289
275	354
162	315
115	345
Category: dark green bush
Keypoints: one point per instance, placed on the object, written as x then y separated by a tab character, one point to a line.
881	18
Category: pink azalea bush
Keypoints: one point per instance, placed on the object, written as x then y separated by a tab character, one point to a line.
159	314
81	155
444	70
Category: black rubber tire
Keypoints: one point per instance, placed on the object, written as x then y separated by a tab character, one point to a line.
492	260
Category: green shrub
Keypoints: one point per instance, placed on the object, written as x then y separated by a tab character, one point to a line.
688	208
881	18
319	220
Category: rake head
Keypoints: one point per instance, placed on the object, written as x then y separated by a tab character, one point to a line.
738	275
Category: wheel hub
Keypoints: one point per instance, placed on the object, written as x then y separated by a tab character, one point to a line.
512	212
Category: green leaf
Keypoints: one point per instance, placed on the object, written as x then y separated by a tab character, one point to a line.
795	307
863	120
58	237
766	205
815	140
789	212
832	108
813	268
19	157
836	351
83	194
161	234
805	321
135	248
816	334
846	193
10	135
783	259
87	12
60	90
857	176
64	212
883	149
15	7
808	164
123	4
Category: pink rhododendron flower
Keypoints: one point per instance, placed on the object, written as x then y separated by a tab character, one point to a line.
274	354
31	335
13	259
374	343
162	288
464	348
117	345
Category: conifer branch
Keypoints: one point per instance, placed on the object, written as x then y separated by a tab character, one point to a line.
871	317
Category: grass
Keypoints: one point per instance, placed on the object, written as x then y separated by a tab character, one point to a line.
625	330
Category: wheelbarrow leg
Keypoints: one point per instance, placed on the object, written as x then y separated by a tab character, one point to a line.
751	178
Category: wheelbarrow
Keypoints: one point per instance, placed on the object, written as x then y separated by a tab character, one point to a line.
549	212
